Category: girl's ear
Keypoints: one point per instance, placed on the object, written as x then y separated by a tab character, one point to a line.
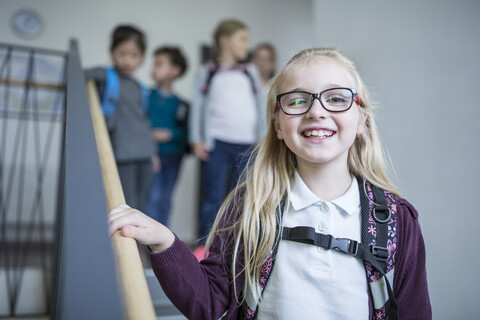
277	126
361	121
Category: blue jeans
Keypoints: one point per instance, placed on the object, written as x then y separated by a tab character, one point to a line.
162	185
219	176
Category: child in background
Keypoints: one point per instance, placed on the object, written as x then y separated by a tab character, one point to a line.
168	115
264	58
124	102
225	119
317	182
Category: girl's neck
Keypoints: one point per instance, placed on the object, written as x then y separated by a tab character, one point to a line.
227	59
326	181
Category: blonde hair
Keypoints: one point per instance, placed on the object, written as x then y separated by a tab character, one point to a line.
225	29
271	167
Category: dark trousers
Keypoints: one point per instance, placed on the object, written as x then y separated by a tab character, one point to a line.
162	185
135	179
219	176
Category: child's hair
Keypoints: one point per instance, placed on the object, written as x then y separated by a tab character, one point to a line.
272	165
175	55
225	29
124	33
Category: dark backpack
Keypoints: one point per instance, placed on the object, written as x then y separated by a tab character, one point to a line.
377	250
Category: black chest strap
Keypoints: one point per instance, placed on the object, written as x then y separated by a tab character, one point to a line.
307	235
376	255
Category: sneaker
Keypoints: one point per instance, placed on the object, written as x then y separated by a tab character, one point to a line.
199	253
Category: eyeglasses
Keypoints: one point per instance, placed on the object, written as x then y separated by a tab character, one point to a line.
333	100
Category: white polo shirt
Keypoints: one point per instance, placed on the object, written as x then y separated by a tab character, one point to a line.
309	282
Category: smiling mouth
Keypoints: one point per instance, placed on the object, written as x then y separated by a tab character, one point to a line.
318	133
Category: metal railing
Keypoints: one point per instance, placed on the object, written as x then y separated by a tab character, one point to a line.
90	280
31	125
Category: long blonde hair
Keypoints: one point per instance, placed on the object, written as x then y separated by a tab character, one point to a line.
270	169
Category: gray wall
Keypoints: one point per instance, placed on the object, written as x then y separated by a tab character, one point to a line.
421	61
419	58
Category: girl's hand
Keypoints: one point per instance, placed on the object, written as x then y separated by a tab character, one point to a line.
200	151
135	224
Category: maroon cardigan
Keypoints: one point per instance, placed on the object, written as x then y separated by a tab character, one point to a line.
205	290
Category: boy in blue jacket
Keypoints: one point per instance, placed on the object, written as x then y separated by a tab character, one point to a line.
168	116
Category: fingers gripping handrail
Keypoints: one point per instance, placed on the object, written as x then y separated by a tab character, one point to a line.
136	296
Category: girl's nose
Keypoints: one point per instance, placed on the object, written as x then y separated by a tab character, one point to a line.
316	111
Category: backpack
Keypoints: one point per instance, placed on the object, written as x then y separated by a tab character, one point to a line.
214	67
377	250
112	93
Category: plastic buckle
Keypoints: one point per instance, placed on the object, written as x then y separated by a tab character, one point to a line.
380	253
344	245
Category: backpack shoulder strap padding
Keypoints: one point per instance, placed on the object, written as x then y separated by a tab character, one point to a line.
112	92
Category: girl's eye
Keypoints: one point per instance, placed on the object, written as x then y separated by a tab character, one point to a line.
297	102
337	99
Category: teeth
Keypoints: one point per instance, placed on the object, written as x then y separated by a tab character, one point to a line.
318	133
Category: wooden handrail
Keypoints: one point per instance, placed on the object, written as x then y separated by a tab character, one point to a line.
136	296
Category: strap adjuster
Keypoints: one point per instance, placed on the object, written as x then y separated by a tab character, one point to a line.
380	253
344	245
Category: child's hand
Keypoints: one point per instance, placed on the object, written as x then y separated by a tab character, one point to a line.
162	135
200	151
134	224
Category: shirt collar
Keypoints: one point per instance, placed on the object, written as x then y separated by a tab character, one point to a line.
164	94
301	196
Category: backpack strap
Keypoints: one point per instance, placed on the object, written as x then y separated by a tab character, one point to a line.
212	70
379	232
376	209
307	235
112	92
145	97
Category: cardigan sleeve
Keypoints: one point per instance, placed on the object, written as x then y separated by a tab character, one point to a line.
200	290
410	281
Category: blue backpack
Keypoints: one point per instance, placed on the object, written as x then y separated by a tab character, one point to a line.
112	93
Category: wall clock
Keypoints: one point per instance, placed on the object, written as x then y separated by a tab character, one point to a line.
27	23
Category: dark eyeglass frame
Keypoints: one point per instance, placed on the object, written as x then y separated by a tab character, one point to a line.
355	98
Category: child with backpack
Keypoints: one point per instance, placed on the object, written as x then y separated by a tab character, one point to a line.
225	119
168	116
317	182
124	105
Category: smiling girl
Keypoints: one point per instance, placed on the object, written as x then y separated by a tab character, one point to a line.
316	182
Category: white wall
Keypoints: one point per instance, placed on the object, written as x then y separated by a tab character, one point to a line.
187	23
420	60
